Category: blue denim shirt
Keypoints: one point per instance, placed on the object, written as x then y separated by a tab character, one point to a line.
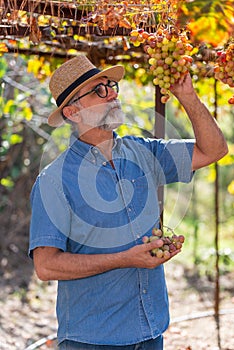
80	204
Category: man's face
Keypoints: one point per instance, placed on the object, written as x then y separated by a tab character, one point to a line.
105	113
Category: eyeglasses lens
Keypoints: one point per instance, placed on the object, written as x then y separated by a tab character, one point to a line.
102	89
114	85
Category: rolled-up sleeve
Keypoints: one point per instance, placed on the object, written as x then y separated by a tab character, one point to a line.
50	224
174	160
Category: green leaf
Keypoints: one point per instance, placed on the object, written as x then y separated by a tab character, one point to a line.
27	113
227	160
7	182
231	187
9	107
15	138
3	67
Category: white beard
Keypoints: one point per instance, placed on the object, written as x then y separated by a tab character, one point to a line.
108	116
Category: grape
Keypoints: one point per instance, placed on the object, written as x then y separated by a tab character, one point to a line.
166	254
145	239
231	100
166	247
170	243
157	252
181	238
169	55
157	232
224	70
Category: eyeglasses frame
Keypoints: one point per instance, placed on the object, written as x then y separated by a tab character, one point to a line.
95	88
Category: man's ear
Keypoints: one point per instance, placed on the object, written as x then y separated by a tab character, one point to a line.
72	112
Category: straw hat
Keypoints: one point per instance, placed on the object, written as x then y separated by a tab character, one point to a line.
70	77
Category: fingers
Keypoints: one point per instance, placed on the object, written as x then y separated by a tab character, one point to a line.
157	243
175	253
165	258
152	248
184	78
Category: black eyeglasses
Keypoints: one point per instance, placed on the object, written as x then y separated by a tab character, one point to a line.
101	89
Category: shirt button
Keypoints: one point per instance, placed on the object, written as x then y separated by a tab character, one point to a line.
129	209
95	151
133	180
93	161
138	236
144	291
104	163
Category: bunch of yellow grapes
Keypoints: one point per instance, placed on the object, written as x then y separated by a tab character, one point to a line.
224	70
170	55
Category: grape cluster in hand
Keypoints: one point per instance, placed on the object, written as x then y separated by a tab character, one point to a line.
169	53
170	243
224	70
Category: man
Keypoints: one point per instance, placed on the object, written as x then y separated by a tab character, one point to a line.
92	206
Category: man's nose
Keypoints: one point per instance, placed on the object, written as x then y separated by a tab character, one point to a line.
112	94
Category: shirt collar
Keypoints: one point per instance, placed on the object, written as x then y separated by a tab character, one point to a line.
117	142
86	150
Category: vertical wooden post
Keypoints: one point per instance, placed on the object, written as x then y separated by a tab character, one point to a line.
159	132
216	241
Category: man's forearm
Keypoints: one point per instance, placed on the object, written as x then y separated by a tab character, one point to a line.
53	264
210	141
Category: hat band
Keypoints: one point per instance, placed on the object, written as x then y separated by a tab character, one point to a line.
76	83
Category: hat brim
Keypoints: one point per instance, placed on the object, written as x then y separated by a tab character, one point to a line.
115	73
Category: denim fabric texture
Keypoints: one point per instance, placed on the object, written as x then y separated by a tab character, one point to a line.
152	344
80	204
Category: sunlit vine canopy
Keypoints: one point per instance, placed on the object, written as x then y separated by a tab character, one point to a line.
101	28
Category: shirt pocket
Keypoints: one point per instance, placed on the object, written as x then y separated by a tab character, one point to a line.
145	192
144	203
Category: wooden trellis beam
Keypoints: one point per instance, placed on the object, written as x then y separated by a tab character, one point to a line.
47	7
110	55
20	31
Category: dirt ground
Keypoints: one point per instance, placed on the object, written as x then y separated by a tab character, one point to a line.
28	310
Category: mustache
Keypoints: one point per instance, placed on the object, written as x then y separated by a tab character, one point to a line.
111	106
108	106
114	104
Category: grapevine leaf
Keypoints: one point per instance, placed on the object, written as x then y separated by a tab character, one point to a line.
15	138
7	182
231	187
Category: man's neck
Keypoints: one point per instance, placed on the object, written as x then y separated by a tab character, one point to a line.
102	139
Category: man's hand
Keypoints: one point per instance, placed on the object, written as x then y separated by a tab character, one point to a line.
140	256
183	88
